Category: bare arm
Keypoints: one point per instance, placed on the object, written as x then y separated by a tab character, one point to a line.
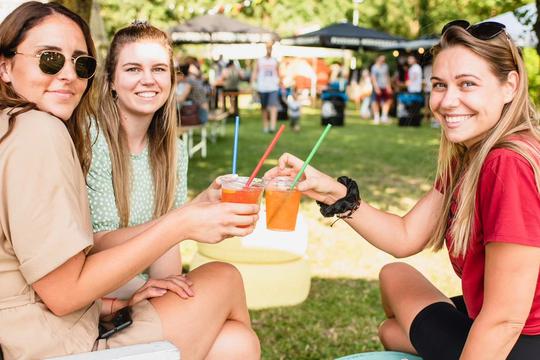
255	72
398	236
374	82
168	264
81	280
107	239
511	276
184	95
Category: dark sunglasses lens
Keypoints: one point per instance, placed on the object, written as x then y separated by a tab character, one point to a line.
487	30
51	62
85	67
460	23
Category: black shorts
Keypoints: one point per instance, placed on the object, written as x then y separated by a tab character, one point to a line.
440	330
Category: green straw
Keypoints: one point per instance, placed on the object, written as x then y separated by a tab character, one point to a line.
311	154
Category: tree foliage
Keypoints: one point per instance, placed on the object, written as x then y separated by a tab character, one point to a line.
410	19
81	7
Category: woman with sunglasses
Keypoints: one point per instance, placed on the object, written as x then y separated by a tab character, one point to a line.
484	206
139	172
50	283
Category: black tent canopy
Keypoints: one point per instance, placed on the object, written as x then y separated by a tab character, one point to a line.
344	36
219	29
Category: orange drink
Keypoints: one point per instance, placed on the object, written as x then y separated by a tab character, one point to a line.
233	190
281	204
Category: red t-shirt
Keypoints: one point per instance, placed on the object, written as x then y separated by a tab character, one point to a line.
507	210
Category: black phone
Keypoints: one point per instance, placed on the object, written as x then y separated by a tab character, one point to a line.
121	320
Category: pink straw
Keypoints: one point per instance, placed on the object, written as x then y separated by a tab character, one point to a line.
265	155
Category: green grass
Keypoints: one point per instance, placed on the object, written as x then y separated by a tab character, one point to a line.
393	166
326	325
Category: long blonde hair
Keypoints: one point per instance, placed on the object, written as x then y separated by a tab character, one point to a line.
12	32
161	132
458	167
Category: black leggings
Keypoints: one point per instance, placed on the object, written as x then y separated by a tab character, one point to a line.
440	330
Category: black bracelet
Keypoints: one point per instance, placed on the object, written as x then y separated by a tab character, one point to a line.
345	206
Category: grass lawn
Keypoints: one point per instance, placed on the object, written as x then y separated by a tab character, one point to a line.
393	166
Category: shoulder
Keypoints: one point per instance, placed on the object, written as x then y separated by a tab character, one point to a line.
505	162
505	154
40	121
41	130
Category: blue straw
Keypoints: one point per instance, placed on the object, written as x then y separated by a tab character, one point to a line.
235	146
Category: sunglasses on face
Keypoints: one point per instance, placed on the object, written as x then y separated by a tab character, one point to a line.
51	62
483	31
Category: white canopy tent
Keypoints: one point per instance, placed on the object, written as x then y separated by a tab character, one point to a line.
523	35
255	51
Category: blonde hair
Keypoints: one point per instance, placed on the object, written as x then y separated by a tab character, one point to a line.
12	32
161	132
458	167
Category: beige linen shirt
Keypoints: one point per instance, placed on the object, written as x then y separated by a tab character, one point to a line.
44	221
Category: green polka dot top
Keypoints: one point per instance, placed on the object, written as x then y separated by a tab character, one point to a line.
101	193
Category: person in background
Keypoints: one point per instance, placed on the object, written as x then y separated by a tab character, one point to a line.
51	282
414	78
366	90
483	206
266	78
193	91
380	79
294	109
230	79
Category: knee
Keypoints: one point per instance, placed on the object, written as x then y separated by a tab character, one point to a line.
239	342
383	331
226	272
391	271
388	332
251	346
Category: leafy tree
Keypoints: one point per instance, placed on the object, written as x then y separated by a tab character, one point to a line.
81	7
409	19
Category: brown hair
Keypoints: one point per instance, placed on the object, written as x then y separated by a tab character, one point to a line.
161	132
12	32
459	167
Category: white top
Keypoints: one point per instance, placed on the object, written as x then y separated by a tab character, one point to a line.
293	107
414	84
267	75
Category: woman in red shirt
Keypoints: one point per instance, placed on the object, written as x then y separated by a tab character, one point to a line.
485	206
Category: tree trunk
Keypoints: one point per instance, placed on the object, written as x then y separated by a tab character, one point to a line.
81	7
537	26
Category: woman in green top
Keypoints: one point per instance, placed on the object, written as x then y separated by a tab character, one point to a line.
139	173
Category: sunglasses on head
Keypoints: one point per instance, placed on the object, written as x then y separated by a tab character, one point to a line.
483	31
51	62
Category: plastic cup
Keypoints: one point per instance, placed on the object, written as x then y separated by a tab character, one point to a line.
282	204
233	190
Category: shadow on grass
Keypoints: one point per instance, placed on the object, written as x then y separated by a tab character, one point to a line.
339	317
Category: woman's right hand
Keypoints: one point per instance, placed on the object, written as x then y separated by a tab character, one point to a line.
314	183
212	222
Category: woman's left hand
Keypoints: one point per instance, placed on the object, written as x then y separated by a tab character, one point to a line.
178	284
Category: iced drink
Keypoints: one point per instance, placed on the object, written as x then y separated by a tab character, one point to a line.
281	204
233	189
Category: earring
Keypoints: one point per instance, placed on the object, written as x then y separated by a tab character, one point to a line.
114	94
